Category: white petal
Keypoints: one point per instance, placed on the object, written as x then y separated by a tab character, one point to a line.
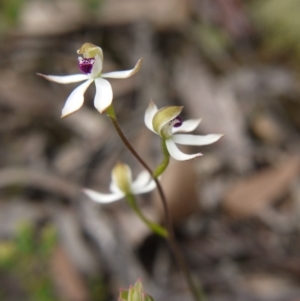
114	188
104	94
187	126
75	78
196	139
142	179
124	74
97	67
150	112
101	197
75	100
178	154
144	189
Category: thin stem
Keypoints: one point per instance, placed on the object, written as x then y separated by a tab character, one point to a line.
195	290
165	162
158	229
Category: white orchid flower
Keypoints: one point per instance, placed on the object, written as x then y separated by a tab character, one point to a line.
122	185
91	65
167	123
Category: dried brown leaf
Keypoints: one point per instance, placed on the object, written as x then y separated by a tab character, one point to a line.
250	196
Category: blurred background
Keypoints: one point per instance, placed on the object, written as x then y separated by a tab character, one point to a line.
236	210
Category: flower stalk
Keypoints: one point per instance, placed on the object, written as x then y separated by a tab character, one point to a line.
165	162
156	228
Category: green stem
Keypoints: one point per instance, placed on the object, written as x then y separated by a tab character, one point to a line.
174	245
165	162
158	229
110	112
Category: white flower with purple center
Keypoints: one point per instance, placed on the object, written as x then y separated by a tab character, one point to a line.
122	185
167	123
90	64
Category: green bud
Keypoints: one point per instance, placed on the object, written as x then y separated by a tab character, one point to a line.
135	293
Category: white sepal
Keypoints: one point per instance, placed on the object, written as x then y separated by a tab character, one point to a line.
66	79
178	154
104	94
125	73
75	100
150	112
187	139
103	198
